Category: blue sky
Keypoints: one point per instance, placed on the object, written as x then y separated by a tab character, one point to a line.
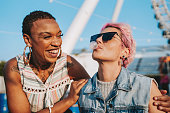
137	13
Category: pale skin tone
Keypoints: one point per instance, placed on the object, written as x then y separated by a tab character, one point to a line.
110	66
44	40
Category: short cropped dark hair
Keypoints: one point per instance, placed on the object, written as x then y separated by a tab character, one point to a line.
32	17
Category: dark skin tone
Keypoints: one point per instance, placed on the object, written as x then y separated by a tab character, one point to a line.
162	102
45	41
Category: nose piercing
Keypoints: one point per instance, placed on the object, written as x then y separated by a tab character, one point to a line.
93	45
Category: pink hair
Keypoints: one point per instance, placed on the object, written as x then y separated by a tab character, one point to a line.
127	38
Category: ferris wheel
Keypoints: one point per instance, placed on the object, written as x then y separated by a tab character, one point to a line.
162	14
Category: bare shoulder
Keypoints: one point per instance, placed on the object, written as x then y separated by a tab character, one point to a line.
154	89
75	70
70	61
11	70
154	92
17	100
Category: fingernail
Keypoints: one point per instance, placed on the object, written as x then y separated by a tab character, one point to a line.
159	107
155	98
155	103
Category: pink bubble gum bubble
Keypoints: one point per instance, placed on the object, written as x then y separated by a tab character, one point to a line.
93	45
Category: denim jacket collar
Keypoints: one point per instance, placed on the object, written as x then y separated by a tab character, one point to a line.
123	80
122	83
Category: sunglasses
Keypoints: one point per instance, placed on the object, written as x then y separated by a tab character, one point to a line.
105	36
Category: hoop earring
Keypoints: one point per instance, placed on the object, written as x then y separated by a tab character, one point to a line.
59	54
26	61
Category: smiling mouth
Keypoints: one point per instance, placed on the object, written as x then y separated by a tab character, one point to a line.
53	51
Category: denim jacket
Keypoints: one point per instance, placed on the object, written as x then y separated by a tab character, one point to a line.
130	94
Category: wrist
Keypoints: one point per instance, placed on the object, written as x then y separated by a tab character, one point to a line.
71	100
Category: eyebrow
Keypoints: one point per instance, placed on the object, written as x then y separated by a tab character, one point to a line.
48	32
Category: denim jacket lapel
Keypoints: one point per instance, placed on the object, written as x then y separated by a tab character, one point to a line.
91	87
123	81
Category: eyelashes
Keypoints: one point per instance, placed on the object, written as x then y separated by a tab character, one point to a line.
60	35
46	37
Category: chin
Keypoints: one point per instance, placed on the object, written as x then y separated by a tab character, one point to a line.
51	60
102	58
97	57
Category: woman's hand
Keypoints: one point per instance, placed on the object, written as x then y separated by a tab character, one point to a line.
75	89
162	102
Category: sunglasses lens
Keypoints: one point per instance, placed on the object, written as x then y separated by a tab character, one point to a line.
94	37
108	36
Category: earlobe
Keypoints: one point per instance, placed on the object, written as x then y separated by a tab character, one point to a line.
27	40
125	52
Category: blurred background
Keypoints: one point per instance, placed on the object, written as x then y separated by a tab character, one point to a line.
79	19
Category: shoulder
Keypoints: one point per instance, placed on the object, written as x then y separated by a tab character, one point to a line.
75	70
140	82
154	92
10	64
72	60
11	70
140	77
72	63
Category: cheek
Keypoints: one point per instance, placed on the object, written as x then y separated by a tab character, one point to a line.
58	42
113	50
40	45
43	45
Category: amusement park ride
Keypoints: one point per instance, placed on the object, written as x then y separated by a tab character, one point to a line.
162	14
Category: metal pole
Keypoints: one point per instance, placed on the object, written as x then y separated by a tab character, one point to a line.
78	24
117	10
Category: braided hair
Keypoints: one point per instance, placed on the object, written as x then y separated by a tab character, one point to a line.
32	17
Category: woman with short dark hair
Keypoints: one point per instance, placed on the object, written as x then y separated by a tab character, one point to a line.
37	81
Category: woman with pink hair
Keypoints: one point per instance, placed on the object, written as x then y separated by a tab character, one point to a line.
114	89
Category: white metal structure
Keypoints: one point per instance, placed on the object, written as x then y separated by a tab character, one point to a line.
80	21
78	24
117	10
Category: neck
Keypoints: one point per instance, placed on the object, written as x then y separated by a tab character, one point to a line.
36	63
108	71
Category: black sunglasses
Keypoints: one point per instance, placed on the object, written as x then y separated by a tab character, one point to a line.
105	37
